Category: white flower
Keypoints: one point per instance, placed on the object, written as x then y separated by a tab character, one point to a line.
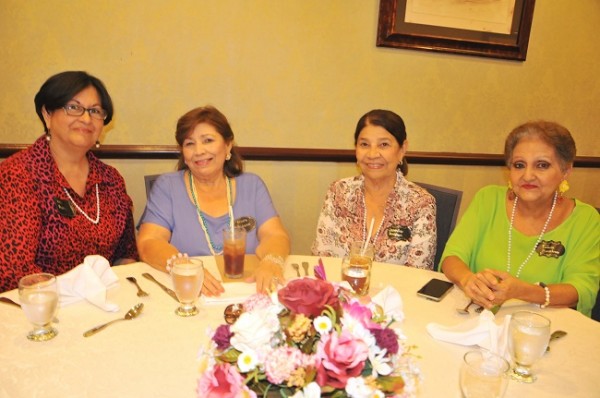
322	324
356	388
379	362
312	390
357	330
253	331
247	361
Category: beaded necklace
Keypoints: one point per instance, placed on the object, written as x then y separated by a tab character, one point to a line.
97	220
364	237
214	249
539	239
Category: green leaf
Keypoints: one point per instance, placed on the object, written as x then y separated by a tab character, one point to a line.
390	383
230	356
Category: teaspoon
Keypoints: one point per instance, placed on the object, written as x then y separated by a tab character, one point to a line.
466	309
557	334
305	266
131	314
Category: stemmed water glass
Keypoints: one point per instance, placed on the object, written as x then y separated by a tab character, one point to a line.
38	294
187	275
529	335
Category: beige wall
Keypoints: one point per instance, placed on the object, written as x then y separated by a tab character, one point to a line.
299	73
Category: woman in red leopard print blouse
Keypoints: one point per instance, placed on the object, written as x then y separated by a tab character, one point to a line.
58	202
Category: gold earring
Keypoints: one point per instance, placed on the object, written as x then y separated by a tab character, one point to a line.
228	156
511	193
563	187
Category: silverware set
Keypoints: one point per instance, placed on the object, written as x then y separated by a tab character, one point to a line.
296	267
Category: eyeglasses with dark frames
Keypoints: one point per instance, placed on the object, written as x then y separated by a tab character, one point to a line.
78	110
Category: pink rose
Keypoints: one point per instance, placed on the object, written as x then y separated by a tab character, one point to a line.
308	296
223	381
361	313
342	357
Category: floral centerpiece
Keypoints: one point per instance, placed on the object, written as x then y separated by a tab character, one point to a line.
309	339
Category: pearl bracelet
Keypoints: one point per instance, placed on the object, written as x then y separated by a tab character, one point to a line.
170	260
274	258
547	291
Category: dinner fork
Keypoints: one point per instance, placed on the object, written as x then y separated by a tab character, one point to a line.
297	268
140	292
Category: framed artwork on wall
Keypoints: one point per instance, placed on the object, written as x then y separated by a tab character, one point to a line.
485	28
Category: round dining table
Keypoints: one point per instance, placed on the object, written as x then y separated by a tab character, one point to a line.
155	354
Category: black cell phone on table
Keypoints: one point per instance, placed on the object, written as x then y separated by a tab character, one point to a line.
435	289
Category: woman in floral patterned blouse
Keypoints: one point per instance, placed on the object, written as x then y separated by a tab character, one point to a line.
404	229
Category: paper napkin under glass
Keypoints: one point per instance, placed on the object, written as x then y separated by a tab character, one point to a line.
482	331
89	281
235	292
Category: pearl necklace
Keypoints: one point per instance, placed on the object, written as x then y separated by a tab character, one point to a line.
539	239
374	238
214	249
97	220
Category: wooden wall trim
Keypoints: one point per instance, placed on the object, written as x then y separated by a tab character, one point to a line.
300	155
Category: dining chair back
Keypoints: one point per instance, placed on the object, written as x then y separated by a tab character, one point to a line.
149	180
448	204
596	309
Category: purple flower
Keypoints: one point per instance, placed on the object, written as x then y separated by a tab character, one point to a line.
222	337
386	339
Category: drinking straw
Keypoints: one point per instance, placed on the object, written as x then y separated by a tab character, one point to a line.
231	223
366	242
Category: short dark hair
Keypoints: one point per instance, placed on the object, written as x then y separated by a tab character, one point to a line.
209	115
555	135
390	121
59	89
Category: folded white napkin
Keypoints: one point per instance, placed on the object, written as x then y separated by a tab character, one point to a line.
389	299
482	331
89	281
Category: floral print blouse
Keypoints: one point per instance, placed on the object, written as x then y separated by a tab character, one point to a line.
407	234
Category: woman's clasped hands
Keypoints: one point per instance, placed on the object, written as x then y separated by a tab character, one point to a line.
490	288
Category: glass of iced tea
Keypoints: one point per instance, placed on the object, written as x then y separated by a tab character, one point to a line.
356	270
38	294
359	248
234	251
187	275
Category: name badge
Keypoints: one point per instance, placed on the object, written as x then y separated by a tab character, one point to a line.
248	223
64	207
550	248
399	232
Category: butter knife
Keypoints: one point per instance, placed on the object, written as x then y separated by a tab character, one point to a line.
163	287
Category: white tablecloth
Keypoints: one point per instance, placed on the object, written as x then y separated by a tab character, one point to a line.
155	354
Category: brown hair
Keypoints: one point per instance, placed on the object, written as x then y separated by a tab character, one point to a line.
209	115
555	135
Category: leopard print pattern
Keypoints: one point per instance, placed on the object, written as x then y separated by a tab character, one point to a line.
36	237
